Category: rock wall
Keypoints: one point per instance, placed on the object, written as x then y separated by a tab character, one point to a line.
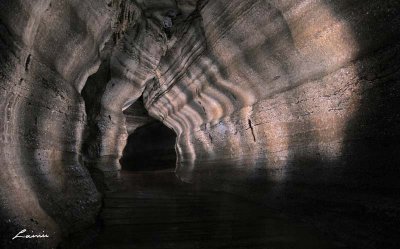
294	103
55	121
139	42
136	116
48	48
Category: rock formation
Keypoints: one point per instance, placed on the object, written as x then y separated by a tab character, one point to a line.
294	104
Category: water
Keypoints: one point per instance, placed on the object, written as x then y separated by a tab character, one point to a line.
155	210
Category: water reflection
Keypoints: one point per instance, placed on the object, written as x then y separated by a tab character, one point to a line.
155	210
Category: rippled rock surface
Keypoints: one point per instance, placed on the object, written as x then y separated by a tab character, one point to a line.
48	48
295	103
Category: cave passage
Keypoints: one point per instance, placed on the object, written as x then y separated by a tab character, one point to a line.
200	124
150	147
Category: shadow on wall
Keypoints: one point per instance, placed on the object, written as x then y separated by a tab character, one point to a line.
372	136
150	147
357	190
342	141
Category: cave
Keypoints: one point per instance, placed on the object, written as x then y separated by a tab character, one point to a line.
199	124
150	148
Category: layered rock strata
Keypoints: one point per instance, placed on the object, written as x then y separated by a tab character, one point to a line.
48	48
55	121
291	102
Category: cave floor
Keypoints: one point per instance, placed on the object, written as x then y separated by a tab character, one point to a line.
155	210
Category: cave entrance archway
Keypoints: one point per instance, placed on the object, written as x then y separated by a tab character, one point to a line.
150	147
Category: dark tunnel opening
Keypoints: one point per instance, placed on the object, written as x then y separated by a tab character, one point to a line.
150	147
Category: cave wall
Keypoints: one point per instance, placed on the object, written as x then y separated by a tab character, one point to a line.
277	81
294	103
138	43
48	48
136	116
56	122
